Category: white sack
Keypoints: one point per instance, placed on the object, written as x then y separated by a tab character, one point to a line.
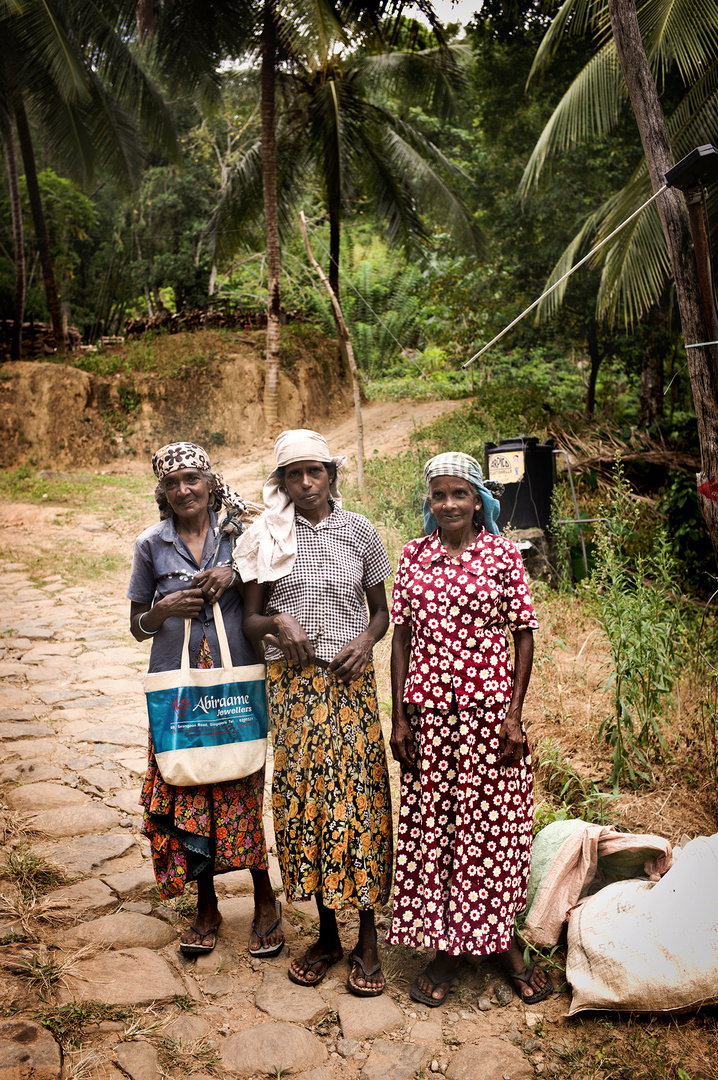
649	947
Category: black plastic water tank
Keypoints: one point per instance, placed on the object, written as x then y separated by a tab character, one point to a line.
527	469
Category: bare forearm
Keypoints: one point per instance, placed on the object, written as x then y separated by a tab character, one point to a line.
523	663
400	653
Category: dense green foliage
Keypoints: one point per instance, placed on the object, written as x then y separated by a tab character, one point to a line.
418	301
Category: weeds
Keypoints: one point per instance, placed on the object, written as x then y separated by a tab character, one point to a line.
31	875
84	1064
639	608
197	1056
43	971
631	1053
577	798
141	1026
183	1002
67	1022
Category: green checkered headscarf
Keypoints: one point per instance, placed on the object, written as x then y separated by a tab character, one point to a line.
468	468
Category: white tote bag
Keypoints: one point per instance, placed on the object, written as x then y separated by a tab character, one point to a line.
208	724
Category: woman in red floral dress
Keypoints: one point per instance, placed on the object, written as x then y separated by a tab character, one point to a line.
466	819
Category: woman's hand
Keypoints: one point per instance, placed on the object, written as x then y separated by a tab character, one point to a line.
353	660
213	582
183	604
293	640
511	741
402	742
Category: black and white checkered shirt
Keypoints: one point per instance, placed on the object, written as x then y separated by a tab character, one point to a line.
337	561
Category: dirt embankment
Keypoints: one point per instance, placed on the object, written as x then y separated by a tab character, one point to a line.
58	416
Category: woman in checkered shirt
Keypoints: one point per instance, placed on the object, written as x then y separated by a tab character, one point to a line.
312	570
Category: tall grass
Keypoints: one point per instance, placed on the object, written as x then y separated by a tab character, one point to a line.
639	604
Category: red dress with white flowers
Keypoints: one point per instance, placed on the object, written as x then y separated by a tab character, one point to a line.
465	826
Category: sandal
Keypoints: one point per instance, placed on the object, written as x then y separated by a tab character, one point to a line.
267	951
417	994
320	963
363	991
198	948
538	995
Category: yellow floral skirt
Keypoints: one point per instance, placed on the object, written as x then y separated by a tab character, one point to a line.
331	796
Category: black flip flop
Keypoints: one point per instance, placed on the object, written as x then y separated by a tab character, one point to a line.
328	959
538	995
198	948
363	991
417	994
266	953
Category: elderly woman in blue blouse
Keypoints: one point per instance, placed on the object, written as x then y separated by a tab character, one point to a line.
181	566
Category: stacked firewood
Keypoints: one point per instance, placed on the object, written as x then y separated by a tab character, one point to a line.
38	340
217	316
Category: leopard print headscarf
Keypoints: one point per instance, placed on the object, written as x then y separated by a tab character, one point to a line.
187	455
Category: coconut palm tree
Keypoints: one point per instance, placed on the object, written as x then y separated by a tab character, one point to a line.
335	131
188	40
67	65
665	37
681	43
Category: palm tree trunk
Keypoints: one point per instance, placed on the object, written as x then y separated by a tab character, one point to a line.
38	218
345	344
596	357
271	218
17	235
334	249
697	324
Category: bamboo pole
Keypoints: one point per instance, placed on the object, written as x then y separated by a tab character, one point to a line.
347	352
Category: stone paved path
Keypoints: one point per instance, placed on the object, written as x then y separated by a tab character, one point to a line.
73	735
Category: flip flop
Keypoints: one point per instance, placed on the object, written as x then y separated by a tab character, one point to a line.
327	959
538	995
269	950
197	948
363	991
417	994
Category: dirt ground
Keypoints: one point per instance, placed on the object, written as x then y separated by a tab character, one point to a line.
90	544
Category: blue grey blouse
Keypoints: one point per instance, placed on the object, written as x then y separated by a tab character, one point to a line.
162	563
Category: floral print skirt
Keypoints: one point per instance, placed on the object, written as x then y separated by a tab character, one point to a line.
193	828
465	832
330	795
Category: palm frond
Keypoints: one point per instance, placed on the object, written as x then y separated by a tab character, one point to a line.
551	303
431	79
683	33
240	206
636	270
431	187
589	108
42	39
575	17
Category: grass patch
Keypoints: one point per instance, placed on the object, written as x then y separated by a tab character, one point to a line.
192	1057
68	1022
638	1050
85	491
449	386
171	356
43	971
572	796
31	875
73	564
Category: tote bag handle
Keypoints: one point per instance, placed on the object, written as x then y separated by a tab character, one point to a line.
224	652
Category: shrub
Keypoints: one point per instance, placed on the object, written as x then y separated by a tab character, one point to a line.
640	607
